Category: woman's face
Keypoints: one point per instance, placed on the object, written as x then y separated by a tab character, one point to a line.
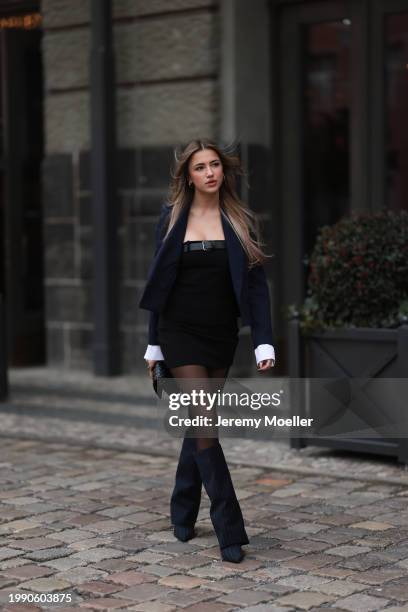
205	171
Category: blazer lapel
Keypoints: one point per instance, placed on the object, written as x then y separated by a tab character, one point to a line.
170	251
236	255
178	231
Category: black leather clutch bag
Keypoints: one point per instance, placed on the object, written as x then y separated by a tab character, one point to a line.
160	374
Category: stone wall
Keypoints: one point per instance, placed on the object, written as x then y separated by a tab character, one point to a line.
167	74
167	66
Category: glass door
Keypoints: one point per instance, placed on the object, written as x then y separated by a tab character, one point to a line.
389	69
322	127
326	124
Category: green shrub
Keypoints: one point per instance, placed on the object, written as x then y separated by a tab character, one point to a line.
358	274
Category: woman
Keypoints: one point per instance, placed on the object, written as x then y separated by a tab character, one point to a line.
206	272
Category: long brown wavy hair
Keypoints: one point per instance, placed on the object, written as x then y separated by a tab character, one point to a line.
241	218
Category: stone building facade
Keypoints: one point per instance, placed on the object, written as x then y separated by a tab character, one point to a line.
314	92
179	75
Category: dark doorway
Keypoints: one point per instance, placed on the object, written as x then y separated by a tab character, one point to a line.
326	147
22	147
395	106
316	77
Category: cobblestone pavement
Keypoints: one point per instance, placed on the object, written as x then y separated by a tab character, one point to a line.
85	483
94	523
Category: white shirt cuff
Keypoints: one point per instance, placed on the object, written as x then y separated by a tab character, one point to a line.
153	352
264	351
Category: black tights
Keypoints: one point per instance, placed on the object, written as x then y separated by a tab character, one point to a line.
199	377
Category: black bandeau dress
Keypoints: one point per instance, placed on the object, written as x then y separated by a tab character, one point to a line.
199	323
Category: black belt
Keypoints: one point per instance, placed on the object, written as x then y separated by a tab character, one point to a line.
203	245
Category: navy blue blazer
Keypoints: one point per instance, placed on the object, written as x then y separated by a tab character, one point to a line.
250	286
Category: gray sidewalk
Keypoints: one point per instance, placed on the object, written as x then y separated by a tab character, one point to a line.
84	512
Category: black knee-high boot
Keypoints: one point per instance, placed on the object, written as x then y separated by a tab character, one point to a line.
225	511
186	497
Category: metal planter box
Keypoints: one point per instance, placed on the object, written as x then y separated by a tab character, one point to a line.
363	358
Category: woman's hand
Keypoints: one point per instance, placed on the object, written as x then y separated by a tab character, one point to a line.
266	364
150	365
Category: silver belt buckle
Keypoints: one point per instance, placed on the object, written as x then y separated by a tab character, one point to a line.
204	249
